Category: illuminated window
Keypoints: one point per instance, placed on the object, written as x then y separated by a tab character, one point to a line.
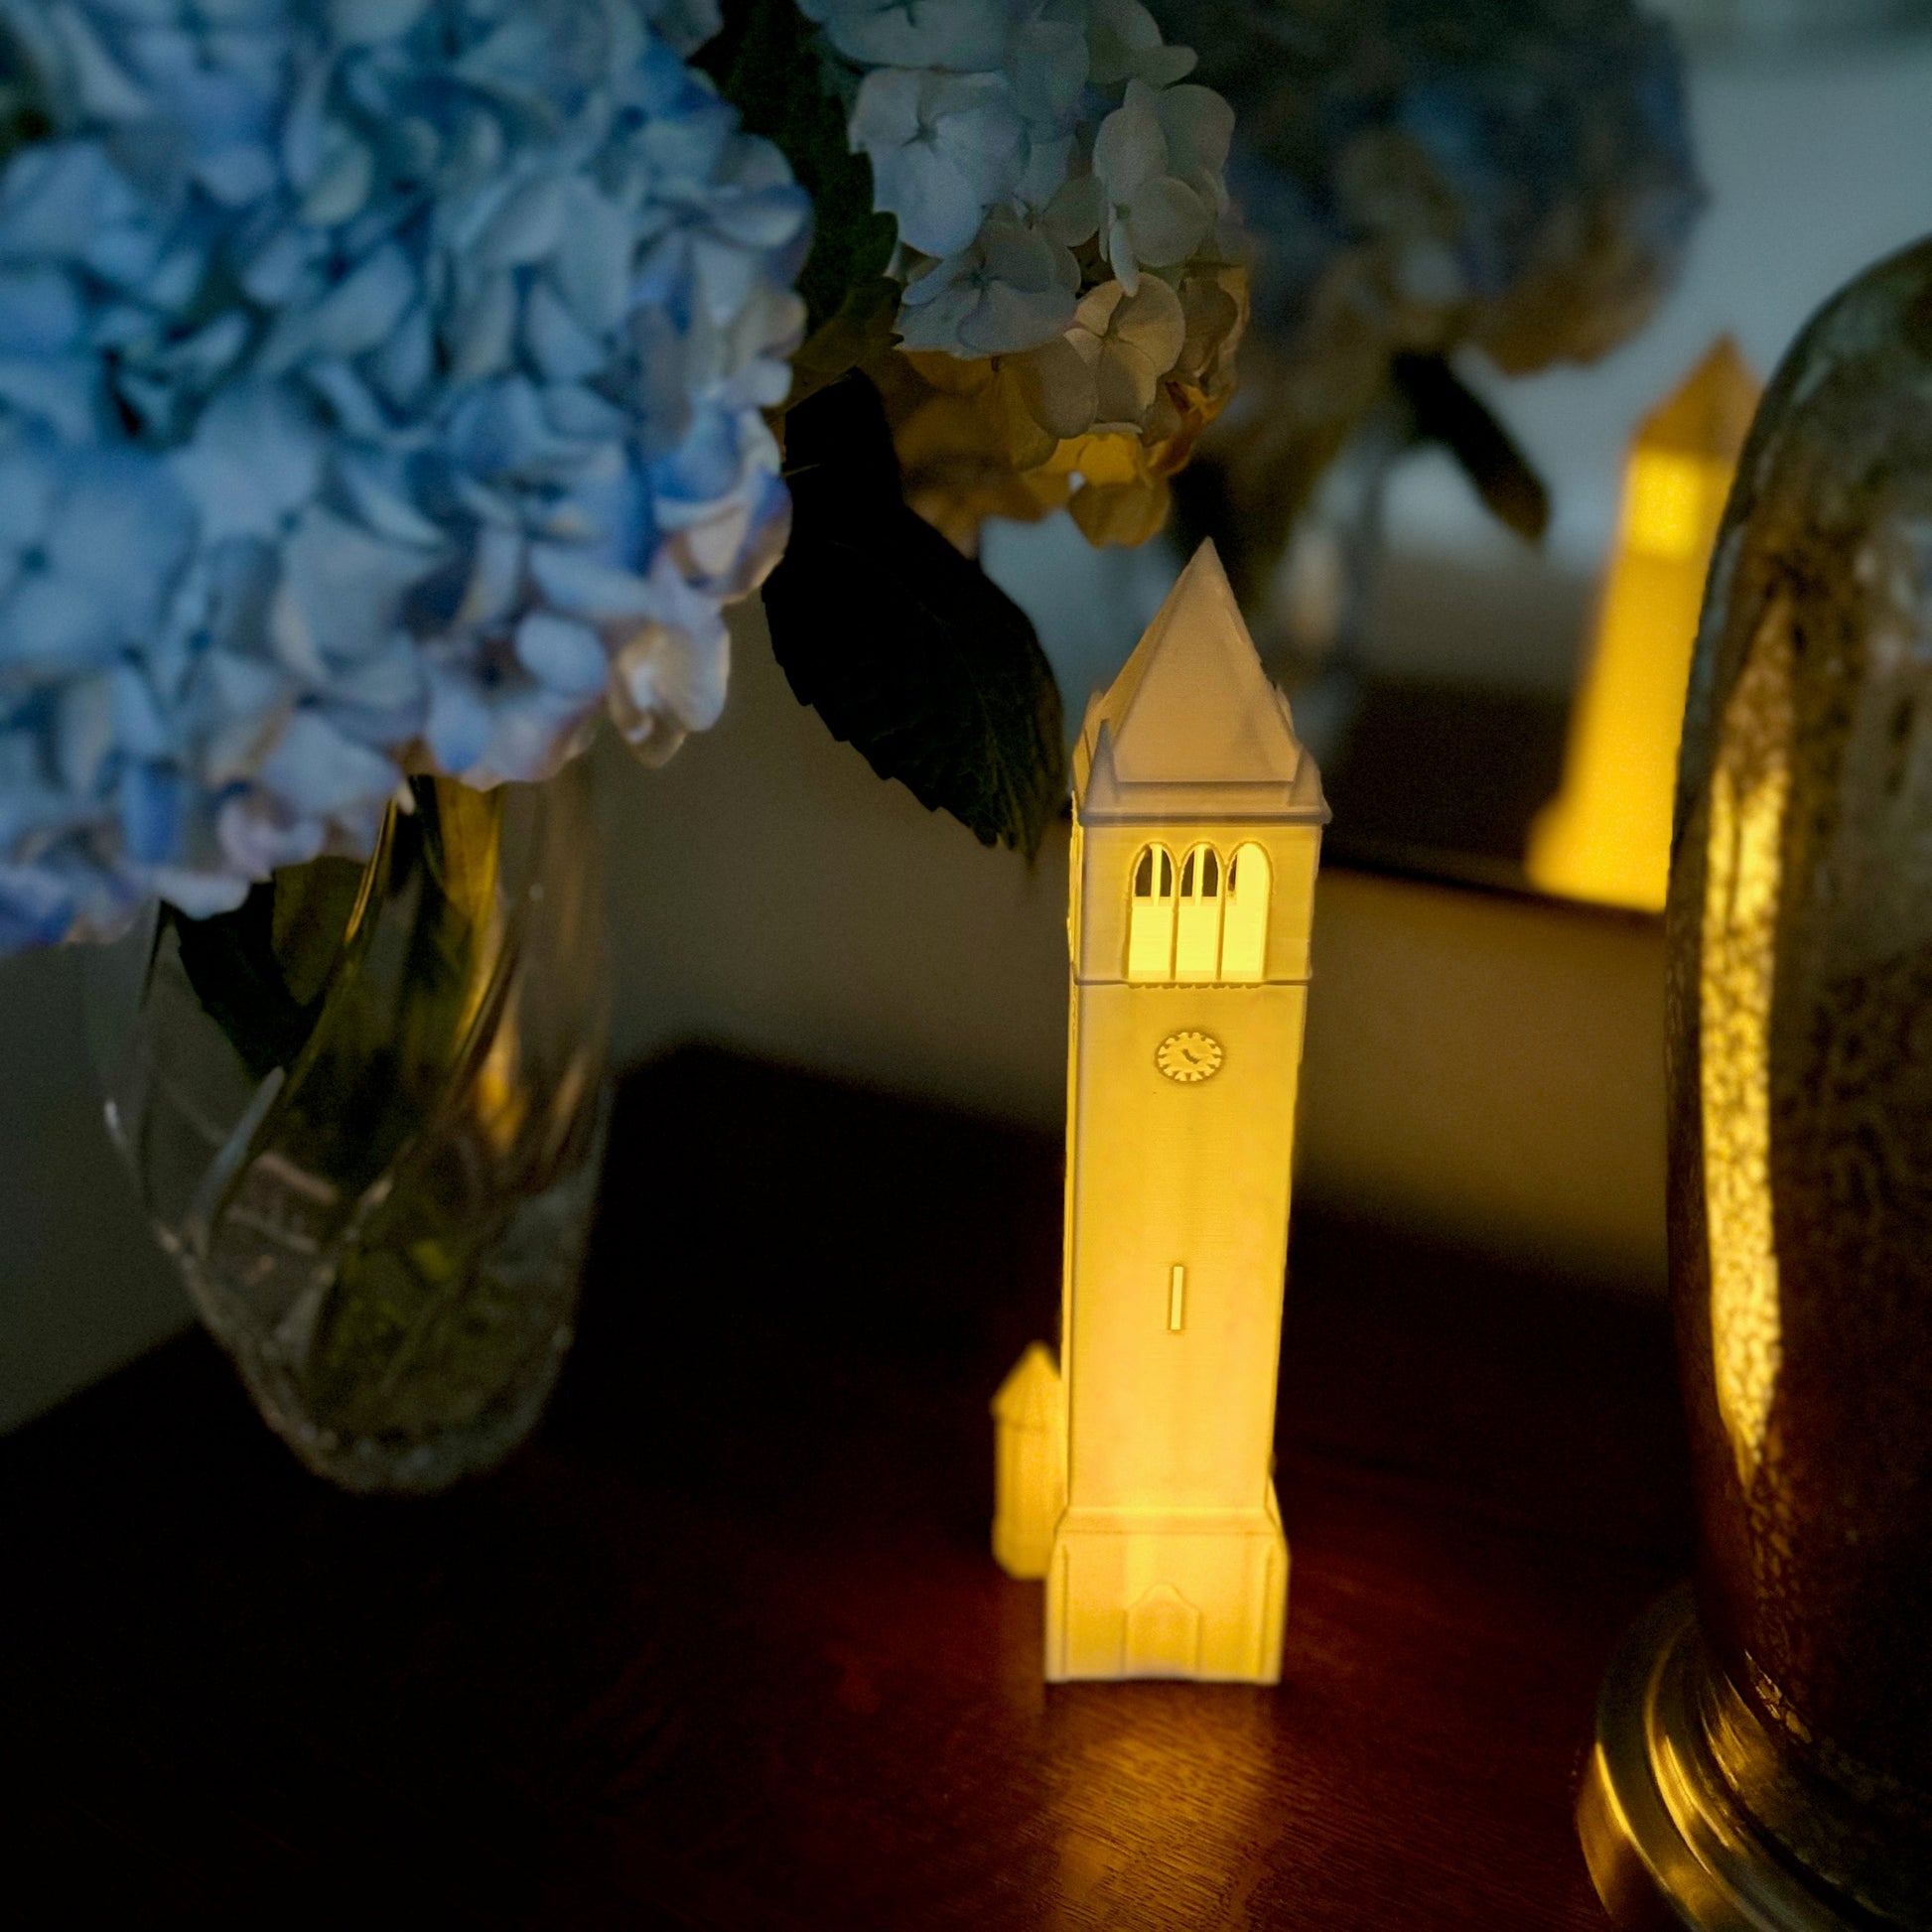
1244	926
1197	921
1150	917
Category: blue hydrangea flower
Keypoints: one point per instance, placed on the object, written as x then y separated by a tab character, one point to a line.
1517	176
1005	136
408	357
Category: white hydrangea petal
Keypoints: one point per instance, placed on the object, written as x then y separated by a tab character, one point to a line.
1015	254
663	684
1199	126
1124	382
711	542
1095	314
1077	211
1047	60
944	148
1152	322
1121	30
934	323
1131	148
1166	223
1011	319
1057	385
962	36
1127	45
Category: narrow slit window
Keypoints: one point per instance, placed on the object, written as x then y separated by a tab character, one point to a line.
1150	917
1244	925
1197	919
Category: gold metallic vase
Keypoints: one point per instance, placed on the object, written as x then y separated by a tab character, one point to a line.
1765	1761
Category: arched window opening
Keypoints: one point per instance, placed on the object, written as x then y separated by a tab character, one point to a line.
1244	927
1197	922
1200	873
1150	917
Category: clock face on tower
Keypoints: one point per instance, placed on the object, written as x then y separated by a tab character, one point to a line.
1189	1057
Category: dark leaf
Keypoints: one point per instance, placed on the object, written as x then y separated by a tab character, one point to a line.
906	649
1446	410
231	962
860	331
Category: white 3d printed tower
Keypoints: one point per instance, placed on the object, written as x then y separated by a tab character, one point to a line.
1149	1502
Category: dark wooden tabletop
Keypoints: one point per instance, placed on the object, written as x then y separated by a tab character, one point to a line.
724	1645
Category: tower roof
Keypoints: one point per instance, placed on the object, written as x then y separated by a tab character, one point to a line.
1191	726
1709	412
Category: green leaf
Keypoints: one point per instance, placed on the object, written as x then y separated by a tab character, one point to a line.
1446	410
862	330
231	962
906	649
768	62
314	904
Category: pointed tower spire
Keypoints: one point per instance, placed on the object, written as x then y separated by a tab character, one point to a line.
1192	724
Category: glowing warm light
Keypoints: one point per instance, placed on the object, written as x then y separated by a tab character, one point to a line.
1745	864
1607	835
1244	926
1190	984
1150	924
1029	1464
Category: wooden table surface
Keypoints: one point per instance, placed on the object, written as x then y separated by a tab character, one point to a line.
724	1645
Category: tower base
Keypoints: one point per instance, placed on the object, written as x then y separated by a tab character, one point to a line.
1191	1593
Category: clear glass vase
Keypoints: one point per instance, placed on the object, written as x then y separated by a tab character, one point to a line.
366	1113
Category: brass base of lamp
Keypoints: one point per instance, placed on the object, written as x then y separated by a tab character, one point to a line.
1666	1843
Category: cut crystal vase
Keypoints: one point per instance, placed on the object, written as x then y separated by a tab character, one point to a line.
366	1114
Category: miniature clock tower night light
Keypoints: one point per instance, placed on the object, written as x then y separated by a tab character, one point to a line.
1138	1479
